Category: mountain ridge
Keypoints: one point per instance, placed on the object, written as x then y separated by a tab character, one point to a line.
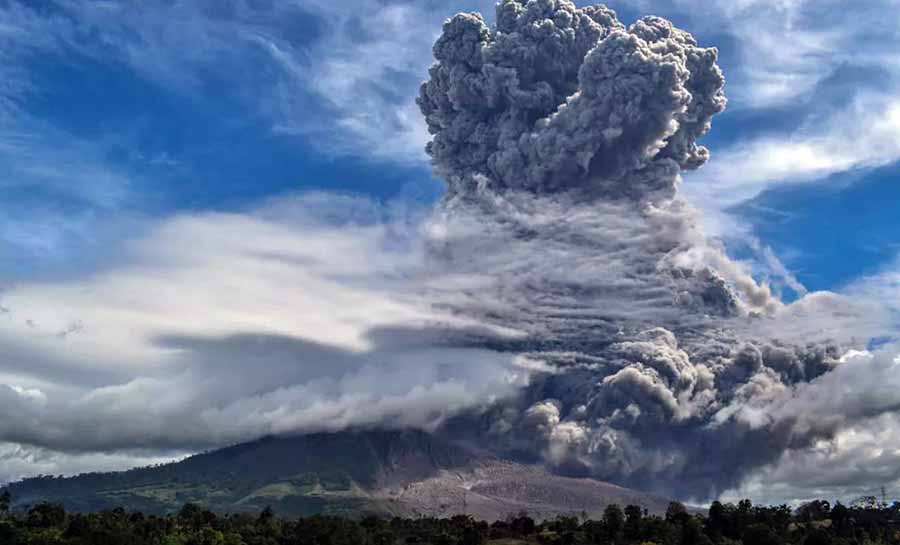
352	473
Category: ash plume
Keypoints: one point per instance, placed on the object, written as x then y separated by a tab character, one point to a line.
562	134
557	97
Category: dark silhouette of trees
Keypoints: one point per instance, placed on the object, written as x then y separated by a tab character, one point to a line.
819	536
814	511
522	525
613	523
815	523
676	511
46	515
634	515
5	502
760	534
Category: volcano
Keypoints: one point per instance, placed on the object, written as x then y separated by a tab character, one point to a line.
385	473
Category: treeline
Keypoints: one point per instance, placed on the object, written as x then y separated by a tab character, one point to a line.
816	523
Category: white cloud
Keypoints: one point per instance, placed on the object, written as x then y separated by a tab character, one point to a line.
863	135
859	399
882	287
362	69
369	82
217	328
18	461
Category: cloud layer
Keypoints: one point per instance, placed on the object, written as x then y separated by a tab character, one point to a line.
223	327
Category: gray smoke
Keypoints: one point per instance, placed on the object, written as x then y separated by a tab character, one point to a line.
557	97
562	136
651	367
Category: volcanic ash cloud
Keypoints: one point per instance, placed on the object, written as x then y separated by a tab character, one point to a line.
561	134
556	98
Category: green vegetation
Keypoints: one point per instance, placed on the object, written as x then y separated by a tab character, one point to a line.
296	476
816	523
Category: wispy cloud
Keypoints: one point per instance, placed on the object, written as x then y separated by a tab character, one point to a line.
368	79
292	317
882	286
865	134
19	461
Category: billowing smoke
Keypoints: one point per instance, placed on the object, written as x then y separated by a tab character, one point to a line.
562	135
557	97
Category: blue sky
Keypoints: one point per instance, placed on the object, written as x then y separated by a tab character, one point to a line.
216	106
129	132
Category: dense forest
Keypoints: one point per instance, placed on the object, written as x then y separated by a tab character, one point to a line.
816	523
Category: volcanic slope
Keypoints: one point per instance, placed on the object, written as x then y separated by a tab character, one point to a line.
402	473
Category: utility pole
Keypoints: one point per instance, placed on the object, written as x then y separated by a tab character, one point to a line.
883	498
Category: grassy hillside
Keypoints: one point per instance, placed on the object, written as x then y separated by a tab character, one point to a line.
321	473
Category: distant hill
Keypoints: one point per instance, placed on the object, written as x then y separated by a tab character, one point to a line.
404	473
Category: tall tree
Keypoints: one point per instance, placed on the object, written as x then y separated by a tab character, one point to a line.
5	502
633	516
613	522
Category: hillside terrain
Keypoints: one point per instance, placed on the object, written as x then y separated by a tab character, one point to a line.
397	473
